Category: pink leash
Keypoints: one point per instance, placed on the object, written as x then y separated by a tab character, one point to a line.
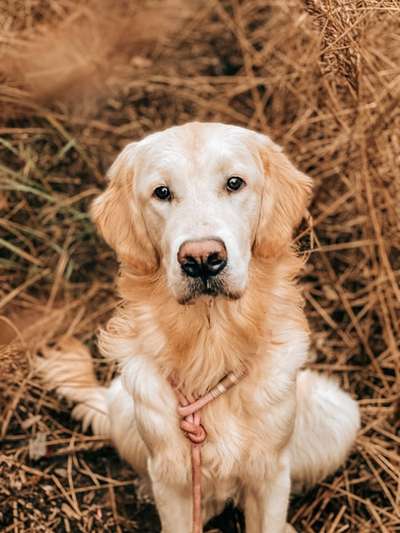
189	411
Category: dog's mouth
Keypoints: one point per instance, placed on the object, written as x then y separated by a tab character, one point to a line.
213	286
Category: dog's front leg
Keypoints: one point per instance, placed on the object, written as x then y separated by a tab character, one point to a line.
266	500
173	501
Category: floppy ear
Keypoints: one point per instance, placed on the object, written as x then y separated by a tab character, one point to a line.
285	197
119	219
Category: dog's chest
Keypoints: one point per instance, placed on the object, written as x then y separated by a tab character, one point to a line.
242	440
225	444
245	427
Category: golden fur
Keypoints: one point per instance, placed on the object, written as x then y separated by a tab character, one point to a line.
280	424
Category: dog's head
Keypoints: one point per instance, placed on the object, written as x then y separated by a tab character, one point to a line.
198	201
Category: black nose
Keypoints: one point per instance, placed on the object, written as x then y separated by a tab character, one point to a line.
202	258
212	266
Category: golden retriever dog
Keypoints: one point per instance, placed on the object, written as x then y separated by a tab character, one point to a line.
201	218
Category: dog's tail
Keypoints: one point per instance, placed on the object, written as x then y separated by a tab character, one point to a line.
69	369
326	426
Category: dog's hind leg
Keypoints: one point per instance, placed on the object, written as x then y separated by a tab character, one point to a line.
327	421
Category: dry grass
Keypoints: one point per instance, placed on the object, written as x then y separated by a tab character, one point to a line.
322	77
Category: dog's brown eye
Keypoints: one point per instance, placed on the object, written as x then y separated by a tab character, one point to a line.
234	183
162	193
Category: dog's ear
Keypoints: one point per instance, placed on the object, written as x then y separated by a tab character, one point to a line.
118	216
285	197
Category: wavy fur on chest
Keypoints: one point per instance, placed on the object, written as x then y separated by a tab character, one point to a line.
198	344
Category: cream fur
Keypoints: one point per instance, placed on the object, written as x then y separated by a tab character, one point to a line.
280	424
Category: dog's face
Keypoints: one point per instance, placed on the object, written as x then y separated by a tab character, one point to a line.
197	201
199	188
